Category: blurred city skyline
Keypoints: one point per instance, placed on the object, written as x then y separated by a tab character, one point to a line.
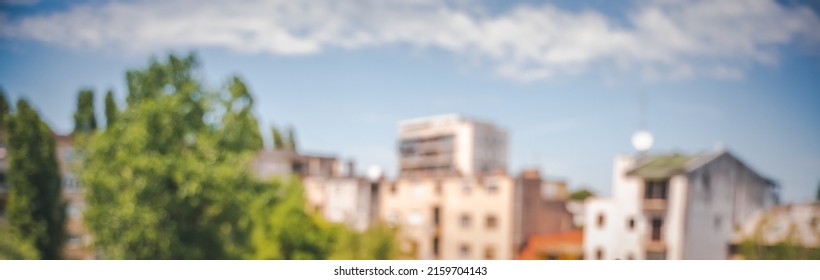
739	74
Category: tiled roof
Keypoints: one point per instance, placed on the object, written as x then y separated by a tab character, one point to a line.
570	242
661	166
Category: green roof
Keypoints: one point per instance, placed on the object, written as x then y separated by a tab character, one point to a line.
660	167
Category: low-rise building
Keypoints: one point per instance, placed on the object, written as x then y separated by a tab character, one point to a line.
453	217
674	206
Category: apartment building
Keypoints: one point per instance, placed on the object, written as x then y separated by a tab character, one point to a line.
674	206
453	216
78	244
450	144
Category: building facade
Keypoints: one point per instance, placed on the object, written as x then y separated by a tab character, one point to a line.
452	217
79	242
351	200
451	144
674	207
541	207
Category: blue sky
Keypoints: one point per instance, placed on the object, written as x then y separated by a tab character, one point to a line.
564	77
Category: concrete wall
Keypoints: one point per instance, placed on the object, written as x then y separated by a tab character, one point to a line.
539	214
340	199
723	193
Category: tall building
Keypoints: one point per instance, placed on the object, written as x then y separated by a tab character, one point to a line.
674	206
453	198
451	144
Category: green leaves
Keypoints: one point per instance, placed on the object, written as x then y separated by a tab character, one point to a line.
35	208
111	110
84	119
170	180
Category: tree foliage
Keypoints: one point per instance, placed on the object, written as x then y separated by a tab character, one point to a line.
35	207
581	195
4	112
278	141
111	110
84	119
171	179
163	184
291	143
13	246
241	130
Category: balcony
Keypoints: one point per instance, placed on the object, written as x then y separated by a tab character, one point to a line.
655	204
655	246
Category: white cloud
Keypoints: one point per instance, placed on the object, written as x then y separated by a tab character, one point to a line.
660	39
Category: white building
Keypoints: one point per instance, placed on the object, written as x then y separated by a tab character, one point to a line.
451	144
349	200
674	206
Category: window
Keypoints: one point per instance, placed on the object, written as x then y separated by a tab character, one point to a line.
393	188
466	188
489	253
707	186
657	223
655	189
631	224
436	241
491	221
492	187
465	220
73	211
599	254
74	240
465	251
601	220
436	215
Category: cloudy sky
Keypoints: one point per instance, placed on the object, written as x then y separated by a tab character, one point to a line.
563	76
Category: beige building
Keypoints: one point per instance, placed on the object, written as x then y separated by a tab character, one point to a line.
451	144
452	217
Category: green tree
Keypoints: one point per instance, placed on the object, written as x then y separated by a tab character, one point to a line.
4	112
278	141
111	110
581	195
162	184
287	231
240	129
35	208
84	119
14	247
376	243
291	144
